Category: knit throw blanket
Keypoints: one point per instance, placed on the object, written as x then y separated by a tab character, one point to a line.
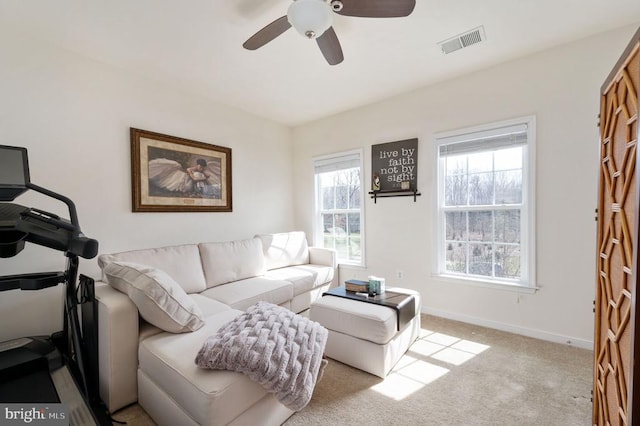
274	347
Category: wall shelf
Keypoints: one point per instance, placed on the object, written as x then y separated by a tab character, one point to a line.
394	193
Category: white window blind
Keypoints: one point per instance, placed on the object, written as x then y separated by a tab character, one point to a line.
487	140
331	164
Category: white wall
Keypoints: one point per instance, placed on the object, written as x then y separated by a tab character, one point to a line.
561	88
74	115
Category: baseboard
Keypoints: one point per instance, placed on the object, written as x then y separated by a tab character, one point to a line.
537	334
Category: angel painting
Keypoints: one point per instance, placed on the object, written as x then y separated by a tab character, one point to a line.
170	179
171	174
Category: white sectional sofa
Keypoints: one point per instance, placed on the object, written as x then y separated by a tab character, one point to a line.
150	331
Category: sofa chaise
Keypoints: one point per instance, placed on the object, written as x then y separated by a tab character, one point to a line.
157	306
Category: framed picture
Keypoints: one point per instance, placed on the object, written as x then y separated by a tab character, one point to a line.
172	174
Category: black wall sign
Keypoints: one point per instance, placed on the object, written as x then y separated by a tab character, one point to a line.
394	166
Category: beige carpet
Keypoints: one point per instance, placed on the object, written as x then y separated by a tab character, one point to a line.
455	374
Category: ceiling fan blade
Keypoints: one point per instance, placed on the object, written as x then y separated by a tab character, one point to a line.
330	47
377	8
267	34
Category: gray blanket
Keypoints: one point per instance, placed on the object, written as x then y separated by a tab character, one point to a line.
273	346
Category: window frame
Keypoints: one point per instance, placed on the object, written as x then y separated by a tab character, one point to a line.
318	224
527	282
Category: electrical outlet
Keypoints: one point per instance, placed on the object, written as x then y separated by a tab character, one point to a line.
399	274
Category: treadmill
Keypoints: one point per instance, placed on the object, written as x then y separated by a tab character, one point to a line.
44	371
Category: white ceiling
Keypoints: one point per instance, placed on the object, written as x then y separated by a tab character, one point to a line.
196	45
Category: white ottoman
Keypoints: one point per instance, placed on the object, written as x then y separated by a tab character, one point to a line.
364	335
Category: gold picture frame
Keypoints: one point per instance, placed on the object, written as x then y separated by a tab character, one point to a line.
172	174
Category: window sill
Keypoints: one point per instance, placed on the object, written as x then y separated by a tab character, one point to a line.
477	282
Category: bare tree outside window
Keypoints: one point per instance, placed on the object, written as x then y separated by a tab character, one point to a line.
482	212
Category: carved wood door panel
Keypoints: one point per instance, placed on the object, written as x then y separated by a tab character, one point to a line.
615	304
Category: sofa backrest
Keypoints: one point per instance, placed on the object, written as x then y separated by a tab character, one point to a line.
284	249
182	263
231	261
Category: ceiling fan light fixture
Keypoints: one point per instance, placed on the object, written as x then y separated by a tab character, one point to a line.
311	18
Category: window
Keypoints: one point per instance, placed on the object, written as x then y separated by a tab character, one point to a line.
339	217
485	203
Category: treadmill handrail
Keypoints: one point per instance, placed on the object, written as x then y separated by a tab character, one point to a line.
34	281
73	214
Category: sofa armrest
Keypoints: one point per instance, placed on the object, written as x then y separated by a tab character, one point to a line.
117	347
323	256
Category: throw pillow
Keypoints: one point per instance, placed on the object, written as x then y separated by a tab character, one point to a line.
160	300
273	346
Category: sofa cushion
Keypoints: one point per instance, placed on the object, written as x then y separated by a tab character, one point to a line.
160	300
303	277
210	397
244	293
301	280
231	261
285	249
208	306
182	263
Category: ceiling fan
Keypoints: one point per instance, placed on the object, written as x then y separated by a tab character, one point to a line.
313	19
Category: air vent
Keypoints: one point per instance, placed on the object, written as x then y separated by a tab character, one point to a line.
460	41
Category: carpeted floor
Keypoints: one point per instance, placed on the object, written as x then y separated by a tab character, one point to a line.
454	374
